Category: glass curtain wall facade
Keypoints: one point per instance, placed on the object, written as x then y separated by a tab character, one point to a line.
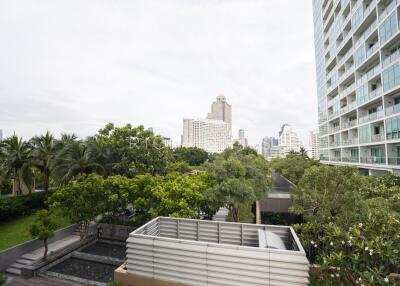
357	51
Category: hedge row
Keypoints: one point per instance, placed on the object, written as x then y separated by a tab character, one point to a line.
11	207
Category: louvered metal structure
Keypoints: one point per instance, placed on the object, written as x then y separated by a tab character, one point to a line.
198	252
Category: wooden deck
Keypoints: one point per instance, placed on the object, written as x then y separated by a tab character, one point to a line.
41	281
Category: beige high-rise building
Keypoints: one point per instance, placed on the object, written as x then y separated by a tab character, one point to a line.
221	110
213	134
289	140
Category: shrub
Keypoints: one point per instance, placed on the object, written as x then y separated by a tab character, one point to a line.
11	207
3	278
114	284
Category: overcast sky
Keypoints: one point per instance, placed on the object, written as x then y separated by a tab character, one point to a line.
73	65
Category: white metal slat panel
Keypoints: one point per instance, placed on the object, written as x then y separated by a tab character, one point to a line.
174	277
225	264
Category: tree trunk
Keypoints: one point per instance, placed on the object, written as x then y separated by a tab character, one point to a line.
46	180
258	213
235	214
82	229
46	248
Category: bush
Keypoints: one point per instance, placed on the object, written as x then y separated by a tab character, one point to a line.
3	278
11	207
114	284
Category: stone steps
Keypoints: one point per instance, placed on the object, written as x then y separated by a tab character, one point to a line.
15	268
30	258
13	271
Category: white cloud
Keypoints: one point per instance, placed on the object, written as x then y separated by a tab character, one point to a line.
75	65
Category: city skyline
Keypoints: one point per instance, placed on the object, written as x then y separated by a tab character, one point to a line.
85	72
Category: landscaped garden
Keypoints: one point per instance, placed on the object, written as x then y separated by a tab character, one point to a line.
16	231
350	224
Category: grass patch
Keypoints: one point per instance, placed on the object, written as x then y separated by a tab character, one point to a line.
16	231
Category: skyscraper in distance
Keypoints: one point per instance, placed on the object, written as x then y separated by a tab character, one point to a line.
357	48
214	133
221	110
242	138
314	145
266	146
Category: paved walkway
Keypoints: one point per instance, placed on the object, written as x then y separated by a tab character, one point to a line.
32	257
221	214
54	246
41	281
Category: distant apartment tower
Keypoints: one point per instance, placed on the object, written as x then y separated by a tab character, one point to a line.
313	151
266	146
289	140
357	48
242	138
221	110
213	134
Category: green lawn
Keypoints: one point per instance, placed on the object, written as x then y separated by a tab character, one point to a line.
16	231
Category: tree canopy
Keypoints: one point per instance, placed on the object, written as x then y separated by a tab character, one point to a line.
293	166
193	156
351	224
239	178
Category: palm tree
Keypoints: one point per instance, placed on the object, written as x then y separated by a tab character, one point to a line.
16	163
303	152
102	154
75	159
44	152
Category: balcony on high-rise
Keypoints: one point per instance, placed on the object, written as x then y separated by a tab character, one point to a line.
370	113
393	153
350	155
385	7
392	103
350	137
377	131
373	155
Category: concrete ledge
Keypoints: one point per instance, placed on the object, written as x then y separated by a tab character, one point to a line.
97	258
55	258
74	279
128	279
10	255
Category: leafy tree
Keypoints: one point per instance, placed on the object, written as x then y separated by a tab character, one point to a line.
43	228
81	200
120	192
16	163
293	166
193	156
176	195
180	167
353	232
238	179
137	151
43	155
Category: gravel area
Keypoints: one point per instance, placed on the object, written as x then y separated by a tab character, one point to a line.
85	269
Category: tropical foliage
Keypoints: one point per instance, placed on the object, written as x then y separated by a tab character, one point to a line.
43	228
239	178
352	225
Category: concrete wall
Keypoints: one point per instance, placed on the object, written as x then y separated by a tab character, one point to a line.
10	255
118	232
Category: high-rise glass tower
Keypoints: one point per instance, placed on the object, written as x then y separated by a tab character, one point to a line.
357	51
